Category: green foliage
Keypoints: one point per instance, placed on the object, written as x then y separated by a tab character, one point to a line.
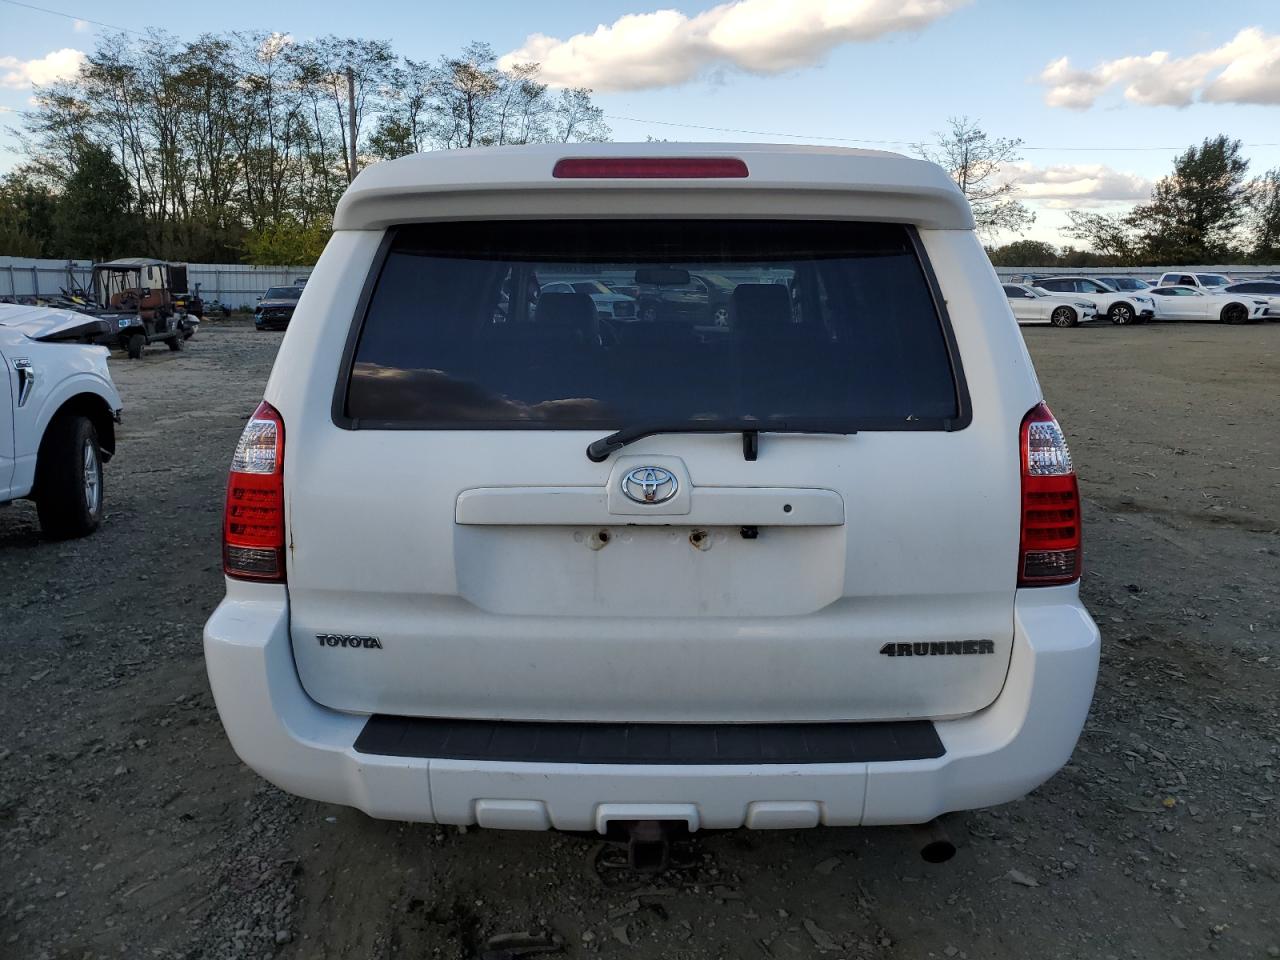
1193	215
1024	253
237	146
95	213
1264	217
26	216
287	244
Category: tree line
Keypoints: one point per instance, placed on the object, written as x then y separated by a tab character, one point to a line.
237	146
1208	210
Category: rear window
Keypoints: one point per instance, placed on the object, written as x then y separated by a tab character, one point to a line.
601	324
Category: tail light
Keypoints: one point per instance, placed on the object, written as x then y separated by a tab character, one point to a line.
649	168
1050	551
253	526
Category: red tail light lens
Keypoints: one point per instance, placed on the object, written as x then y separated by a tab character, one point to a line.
253	525
1050	551
648	168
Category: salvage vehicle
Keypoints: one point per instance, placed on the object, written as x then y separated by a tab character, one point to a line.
1268	290
275	308
135	296
58	411
1032	305
531	569
1189	303
1120	307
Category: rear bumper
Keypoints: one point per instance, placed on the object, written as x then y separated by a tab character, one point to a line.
993	756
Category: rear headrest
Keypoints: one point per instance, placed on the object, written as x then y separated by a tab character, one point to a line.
759	307
568	311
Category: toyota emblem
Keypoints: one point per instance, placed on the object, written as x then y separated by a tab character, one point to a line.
649	485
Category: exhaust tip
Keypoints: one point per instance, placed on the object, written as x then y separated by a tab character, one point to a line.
933	842
938	851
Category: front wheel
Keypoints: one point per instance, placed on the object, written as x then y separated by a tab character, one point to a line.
1235	313
133	346
69	479
1063	317
176	342
1120	314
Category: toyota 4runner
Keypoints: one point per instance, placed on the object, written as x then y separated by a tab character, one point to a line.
492	558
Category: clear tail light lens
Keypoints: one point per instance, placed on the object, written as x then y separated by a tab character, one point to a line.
253	546
1050	549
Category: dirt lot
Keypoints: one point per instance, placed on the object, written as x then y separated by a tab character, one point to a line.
129	828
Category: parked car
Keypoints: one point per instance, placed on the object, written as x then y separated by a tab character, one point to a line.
1200	281
1119	307
1031	305
1135	284
703	298
609	305
1268	290
58	411
520	576
275	308
1188	303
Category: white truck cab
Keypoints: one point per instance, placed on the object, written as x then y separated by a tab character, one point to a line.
58	411
493	559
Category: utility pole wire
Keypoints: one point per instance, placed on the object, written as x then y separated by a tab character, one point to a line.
72	16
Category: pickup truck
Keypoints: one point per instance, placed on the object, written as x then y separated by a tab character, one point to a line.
58	412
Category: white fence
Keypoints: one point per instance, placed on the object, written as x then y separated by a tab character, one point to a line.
235	284
239	285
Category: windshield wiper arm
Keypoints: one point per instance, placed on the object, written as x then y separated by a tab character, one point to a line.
598	450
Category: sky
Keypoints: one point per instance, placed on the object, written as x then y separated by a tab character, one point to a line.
1104	95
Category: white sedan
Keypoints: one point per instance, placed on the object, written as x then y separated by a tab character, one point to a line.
1188	303
1031	305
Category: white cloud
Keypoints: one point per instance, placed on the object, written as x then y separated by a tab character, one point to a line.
1076	186
667	47
58	65
1246	69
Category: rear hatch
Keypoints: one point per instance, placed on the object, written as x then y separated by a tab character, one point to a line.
817	527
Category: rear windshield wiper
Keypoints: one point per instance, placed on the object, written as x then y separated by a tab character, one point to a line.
599	450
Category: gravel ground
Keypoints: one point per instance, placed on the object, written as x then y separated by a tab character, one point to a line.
129	828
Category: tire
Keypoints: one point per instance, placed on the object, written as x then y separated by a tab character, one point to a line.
1063	317
176	342
133	346
69	479
1121	314
1235	313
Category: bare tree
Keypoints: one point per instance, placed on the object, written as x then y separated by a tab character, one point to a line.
979	165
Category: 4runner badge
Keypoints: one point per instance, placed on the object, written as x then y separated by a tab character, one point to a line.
948	648
347	640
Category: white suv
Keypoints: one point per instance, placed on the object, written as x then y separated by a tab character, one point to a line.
58	411
1118	306
530	568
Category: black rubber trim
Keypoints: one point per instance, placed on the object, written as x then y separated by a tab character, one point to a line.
648	743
